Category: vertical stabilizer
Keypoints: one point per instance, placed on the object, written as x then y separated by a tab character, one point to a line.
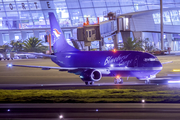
58	40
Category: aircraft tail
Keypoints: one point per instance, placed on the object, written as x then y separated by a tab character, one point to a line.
59	42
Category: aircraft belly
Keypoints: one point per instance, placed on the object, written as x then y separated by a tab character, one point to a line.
130	73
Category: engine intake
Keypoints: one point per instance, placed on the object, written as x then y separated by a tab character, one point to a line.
91	75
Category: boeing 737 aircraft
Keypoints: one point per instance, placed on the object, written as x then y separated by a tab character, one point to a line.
91	66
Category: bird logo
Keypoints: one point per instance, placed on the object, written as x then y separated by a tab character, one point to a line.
56	32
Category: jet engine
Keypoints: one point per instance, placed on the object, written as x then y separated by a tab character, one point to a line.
91	75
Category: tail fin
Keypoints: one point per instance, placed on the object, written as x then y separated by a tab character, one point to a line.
59	42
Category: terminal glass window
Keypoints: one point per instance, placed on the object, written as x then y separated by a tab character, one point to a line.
166	18
60	4
41	36
72	3
168	5
13	20
17	36
175	17
168	1
101	12
125	2
89	13
38	19
3	21
1	7
26	20
156	18
62	13
139	2
99	3
127	9
76	17
86	3
29	35
140	7
5	38
153	4
112	2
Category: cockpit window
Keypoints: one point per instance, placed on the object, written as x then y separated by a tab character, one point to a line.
151	59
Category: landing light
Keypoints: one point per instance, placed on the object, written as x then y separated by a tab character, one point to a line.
112	65
117	76
174	81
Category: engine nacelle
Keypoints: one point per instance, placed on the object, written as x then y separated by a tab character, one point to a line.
91	75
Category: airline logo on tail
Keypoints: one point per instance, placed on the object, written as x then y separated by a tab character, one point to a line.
56	32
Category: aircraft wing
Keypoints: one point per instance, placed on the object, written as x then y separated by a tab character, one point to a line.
44	67
74	70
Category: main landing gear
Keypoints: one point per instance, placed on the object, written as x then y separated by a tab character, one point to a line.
147	81
118	81
89	83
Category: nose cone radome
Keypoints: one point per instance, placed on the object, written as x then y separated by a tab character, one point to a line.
152	61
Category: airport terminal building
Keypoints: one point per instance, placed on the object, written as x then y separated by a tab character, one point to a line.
21	19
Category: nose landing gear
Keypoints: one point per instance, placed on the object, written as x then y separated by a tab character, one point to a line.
147	81
118	81
89	83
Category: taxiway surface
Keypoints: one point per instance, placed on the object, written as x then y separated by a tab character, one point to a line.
91	111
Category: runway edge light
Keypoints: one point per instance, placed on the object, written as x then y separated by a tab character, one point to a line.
9	65
60	117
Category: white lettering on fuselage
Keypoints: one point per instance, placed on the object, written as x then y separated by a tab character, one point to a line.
68	56
120	60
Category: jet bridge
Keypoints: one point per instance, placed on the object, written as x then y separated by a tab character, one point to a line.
97	32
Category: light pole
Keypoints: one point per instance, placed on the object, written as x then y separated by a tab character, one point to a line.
161	13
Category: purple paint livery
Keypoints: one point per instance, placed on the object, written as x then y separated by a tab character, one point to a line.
92	65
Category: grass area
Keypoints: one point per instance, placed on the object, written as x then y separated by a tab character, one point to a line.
89	96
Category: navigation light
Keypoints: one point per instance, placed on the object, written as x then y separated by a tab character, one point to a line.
112	65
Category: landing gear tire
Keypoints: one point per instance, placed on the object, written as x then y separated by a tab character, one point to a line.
91	83
87	83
